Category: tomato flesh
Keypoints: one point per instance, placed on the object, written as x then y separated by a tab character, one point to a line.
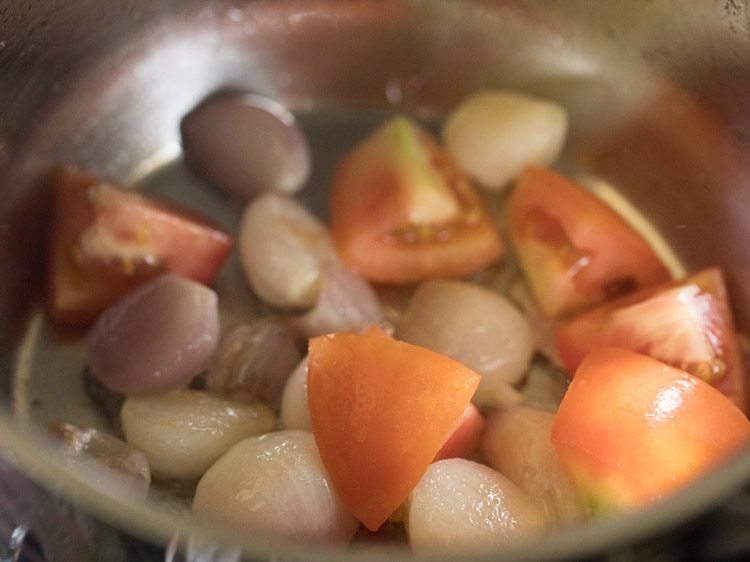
631	429
107	241
380	411
687	324
402	213
574	249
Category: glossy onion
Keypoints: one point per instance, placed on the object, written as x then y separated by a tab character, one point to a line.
183	432
517	442
295	412
275	483
257	359
492	135
346	303
463	505
245	144
474	326
282	248
156	338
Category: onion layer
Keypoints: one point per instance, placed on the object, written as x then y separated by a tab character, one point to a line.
517	442
282	248
476	327
295	412
183	432
461	505
275	483
156	338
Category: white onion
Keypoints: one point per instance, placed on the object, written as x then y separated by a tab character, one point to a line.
257	359
517	443
275	483
282	248
295	412
460	505
245	144
113	458
493	134
476	327
183	432
346	303
156	338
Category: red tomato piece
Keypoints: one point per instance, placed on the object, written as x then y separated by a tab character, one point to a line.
687	324
574	249
107	241
380	411
401	212
466	436
631	429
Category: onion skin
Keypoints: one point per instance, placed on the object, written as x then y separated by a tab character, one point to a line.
256	358
517	442
245	144
183	432
156	338
463	506
477	328
282	249
275	483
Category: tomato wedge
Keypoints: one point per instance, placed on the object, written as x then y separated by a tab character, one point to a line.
107	241
380	411
574	249
631	429
687	324
401	212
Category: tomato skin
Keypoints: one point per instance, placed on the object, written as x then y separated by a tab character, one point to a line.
380	411
631	429
106	241
687	324
401	212
574	249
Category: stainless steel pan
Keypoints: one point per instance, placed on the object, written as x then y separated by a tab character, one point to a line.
657	92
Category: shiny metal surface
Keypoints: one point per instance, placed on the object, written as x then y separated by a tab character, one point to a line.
657	95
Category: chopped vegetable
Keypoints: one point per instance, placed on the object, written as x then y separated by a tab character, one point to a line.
183	432
464	439
156	338
283	248
107	241
687	324
463	506
631	430
493	134
574	249
277	484
401	212
380	411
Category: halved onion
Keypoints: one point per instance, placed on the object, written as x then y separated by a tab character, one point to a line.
257	359
493	134
156	338
517	443
295	412
275	483
283	248
476	327
245	144
346	303
461	505
183	432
